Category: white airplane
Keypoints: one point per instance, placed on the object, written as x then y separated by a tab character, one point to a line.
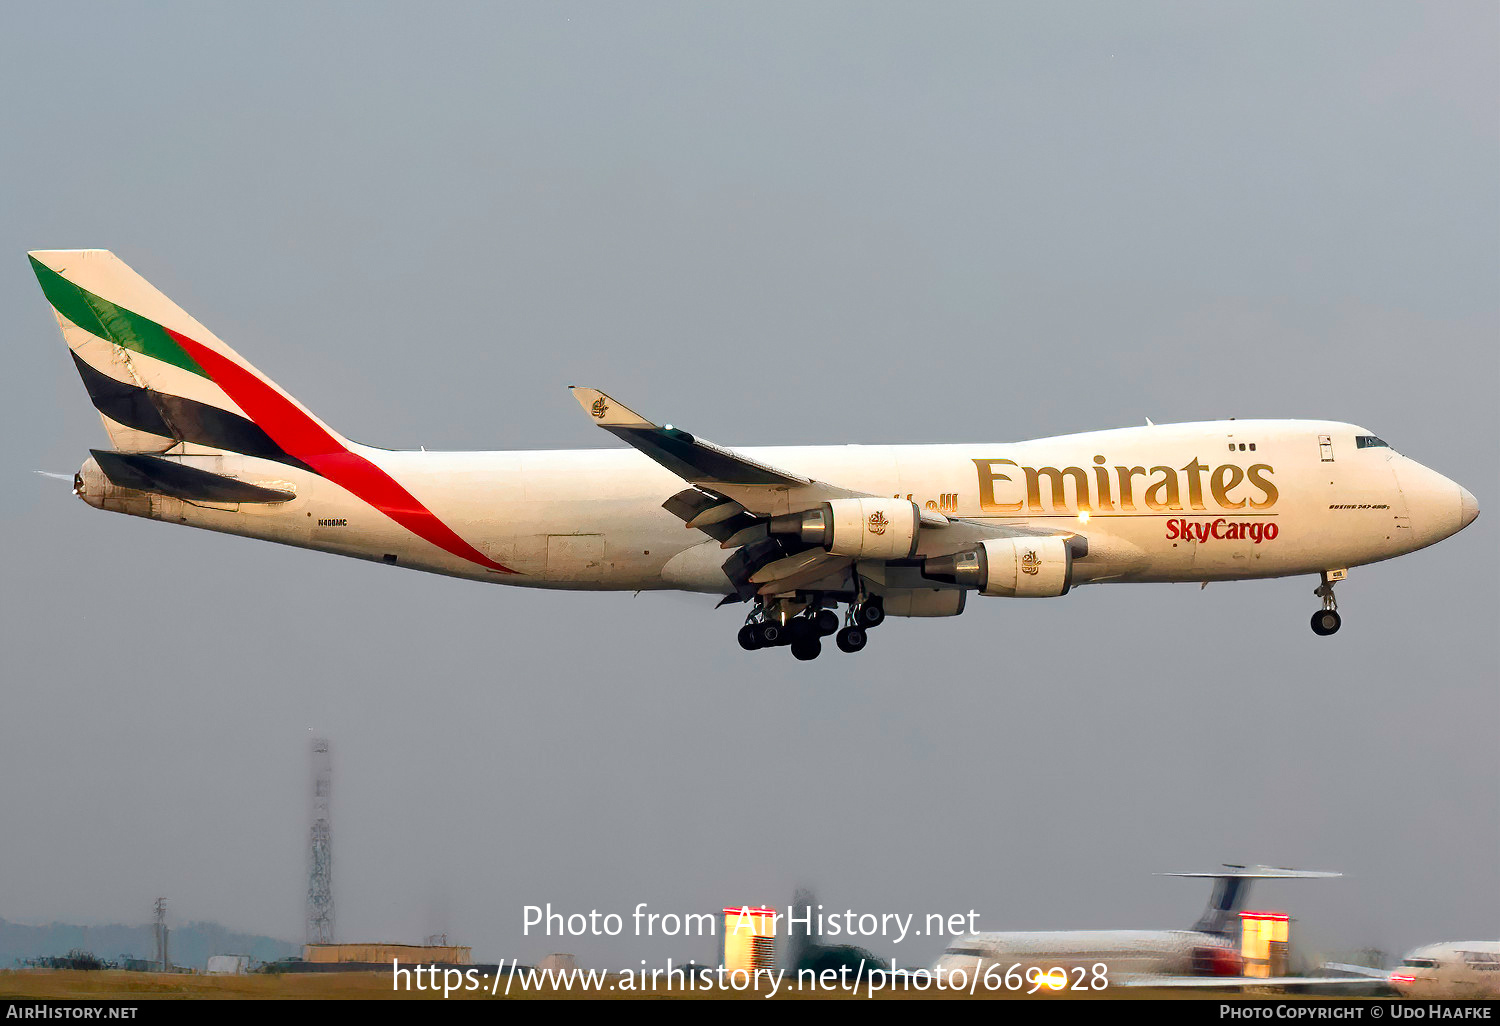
1452	969
202	438
1204	956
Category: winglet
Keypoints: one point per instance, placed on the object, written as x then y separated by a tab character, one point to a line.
606	411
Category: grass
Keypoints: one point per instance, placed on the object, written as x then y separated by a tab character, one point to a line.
119	985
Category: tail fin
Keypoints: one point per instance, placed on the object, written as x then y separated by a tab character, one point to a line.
1232	890
160	379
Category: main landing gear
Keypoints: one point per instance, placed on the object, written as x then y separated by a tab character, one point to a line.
862	616
804	631
851	639
1326	621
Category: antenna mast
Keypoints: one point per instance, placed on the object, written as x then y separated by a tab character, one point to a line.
320	849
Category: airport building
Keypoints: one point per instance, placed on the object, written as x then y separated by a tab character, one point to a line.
385	954
356	958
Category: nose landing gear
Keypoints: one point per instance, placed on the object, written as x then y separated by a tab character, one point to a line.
1326	621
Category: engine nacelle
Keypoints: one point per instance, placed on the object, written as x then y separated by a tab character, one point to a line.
861	528
1040	567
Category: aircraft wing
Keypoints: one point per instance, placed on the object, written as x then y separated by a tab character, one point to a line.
1369	972
732	498
759	488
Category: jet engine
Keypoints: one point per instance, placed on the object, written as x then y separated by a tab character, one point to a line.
1040	567
861	528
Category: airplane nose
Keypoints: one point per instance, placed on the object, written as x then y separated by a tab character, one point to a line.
1468	507
1437	506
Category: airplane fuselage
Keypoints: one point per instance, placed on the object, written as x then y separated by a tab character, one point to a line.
1081	954
1217	500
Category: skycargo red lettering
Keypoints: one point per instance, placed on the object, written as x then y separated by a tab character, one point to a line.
1204	531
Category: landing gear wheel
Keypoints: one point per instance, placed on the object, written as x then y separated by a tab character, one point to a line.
1325	622
827	622
870	614
749	638
851	639
807	648
770	634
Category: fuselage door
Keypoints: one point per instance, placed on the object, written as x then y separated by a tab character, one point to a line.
1325	448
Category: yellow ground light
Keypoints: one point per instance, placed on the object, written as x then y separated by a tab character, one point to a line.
749	939
1263	940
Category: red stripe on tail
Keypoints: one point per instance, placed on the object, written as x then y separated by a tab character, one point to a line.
310	442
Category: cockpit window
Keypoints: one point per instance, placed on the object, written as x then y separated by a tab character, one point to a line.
976	952
1419	963
1369	442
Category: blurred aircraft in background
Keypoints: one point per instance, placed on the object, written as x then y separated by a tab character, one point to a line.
1206	955
1452	969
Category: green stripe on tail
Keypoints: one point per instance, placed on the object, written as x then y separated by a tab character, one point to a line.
98	316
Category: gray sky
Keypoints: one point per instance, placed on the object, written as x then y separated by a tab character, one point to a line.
769	223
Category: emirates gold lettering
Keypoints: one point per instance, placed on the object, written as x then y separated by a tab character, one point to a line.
988	475
1101	474
1195	486
1127	493
1057	478
1194	472
1223	479
1263	482
1163	494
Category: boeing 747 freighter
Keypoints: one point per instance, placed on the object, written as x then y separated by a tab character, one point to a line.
797	534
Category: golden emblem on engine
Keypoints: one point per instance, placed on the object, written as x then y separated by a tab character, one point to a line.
878	522
1029	563
600	407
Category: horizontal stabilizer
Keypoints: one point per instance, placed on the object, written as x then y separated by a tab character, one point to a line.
148	473
1259	873
1232	889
